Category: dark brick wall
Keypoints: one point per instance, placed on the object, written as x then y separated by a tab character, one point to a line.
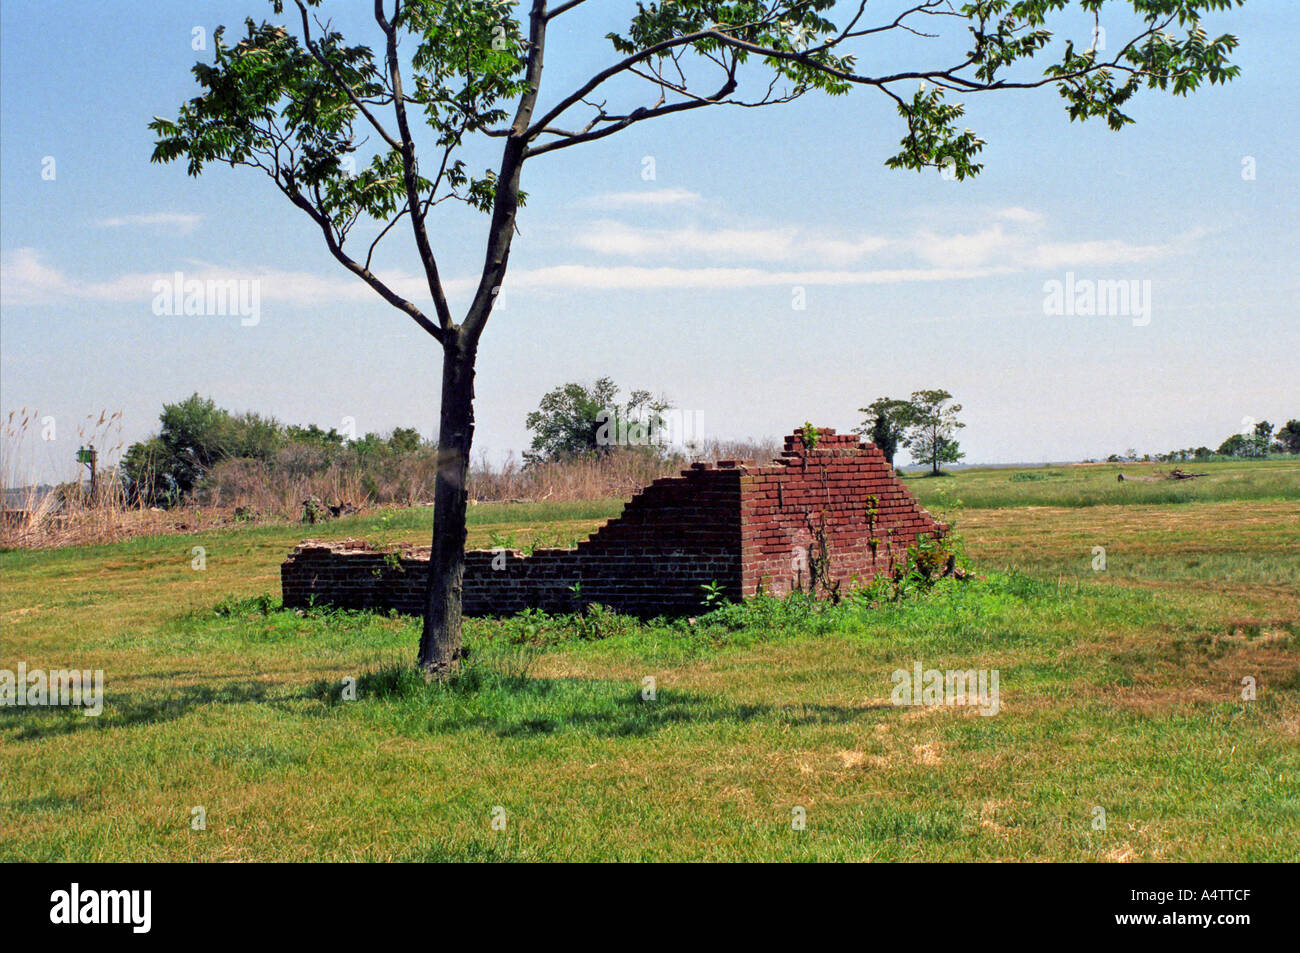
745	527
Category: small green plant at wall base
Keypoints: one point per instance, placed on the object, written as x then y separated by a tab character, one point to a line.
392	564
820	578
235	607
499	540
713	594
932	558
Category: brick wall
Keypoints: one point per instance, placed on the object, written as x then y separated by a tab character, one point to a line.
835	514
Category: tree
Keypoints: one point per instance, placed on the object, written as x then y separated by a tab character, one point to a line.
1262	438
931	422
1254	443
297	103
404	440
1238	445
1289	436
314	436
146	475
194	435
884	423
578	420
192	432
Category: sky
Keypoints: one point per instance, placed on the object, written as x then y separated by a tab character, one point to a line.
758	267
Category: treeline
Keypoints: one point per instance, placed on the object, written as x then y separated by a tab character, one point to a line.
1255	442
210	455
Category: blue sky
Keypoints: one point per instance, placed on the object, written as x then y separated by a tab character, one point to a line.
682	284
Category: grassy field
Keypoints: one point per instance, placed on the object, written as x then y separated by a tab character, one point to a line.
1098	484
1121	689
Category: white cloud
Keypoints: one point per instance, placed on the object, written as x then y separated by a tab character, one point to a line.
616	238
742	258
649	197
636	277
1110	251
1028	251
767	244
964	250
26	279
1022	215
181	221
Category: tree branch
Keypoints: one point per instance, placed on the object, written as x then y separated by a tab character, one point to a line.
338	80
564	8
505	203
409	171
636	116
361	271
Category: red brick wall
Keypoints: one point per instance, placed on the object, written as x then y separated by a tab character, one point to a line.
841	494
745	527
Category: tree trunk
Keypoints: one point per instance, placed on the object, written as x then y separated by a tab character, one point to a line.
440	643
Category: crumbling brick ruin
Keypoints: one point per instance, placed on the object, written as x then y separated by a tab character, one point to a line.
821	518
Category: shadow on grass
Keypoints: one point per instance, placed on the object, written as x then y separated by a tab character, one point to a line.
121	711
398	700
479	698
44	804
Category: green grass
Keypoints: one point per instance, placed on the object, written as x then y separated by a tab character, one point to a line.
1119	688
1097	484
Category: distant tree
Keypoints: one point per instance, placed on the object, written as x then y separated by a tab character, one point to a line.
1263	438
1289	436
1254	443
313	435
1201	453
251	435
146	475
931	424
404	440
884	422
578	420
192	434
1238	445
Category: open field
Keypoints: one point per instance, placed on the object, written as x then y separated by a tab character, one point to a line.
1097	484
1120	689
